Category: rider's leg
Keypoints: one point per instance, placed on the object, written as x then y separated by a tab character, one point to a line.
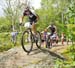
34	28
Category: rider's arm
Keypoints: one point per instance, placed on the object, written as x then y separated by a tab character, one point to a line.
37	17
48	27
21	21
22	17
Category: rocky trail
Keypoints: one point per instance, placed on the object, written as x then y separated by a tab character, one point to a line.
38	58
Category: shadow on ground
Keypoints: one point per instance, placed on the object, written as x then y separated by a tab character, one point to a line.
47	51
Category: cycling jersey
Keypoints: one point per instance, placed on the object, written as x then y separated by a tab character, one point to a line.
52	28
32	16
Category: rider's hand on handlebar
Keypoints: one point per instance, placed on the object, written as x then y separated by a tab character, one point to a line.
21	24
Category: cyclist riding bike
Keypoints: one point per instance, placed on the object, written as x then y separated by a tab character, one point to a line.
30	35
52	28
33	18
52	36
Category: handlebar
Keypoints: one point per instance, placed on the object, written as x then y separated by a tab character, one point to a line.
21	24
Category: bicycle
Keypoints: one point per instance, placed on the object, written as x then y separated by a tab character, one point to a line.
50	41
28	38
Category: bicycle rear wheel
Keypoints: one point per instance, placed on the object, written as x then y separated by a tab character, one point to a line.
38	40
48	42
26	41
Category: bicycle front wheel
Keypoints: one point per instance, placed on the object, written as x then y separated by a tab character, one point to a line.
26	41
38	40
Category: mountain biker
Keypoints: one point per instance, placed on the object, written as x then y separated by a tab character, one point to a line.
52	36
52	28
33	18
